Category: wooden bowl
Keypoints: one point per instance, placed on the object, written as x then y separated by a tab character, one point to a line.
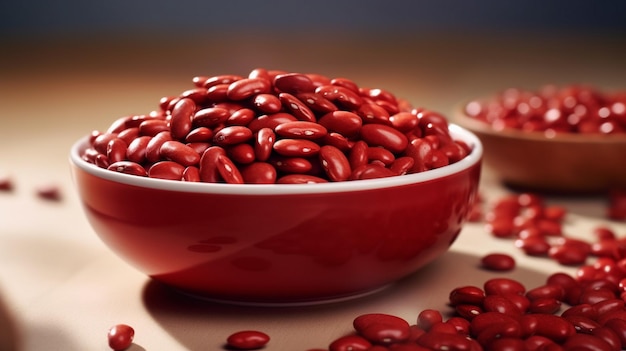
568	163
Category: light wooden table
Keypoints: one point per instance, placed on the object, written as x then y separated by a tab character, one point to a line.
64	288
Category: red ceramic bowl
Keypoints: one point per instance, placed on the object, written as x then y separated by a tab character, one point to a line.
295	243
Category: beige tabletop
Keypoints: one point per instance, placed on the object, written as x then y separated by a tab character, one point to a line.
64	288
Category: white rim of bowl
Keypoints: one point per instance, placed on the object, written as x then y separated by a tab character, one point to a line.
457	132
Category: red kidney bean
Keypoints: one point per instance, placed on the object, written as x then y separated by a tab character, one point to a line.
297	108
504	329
533	246
343	122
501	304
241	117
442	327
341	95
101	142
429	317
382	328
385	136
270	121
547	305
210	117
334	163
241	153
294	83
582	324
6	183
180	122
298	165
498	262
199	147
128	135
232	135
372	113
546	291
153	148
300	179
586	342
583	310
179	152
350	343
128	167
191	174
358	154
208	82
248	340
116	150
466	295
553	327
247	87
380	154
568	255
468	312
371	171
153	127
402	165
120	337
166	170
461	325
482	321
444	341
259	173
609	336
199	135
346	83
502	286
217	93
264	144
521	301
296	147
617	203
317	102
301	130
609	305
228	170
208	164
267	103
537	342
197	95
49	191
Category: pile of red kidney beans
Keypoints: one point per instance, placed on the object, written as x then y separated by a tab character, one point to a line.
276	127
552	109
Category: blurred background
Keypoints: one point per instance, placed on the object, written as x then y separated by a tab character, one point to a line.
86	63
436	52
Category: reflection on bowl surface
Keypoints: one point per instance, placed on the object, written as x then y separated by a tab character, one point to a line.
278	243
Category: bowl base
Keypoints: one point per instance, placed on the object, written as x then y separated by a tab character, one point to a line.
312	302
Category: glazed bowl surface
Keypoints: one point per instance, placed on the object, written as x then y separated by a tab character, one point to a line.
562	163
279	243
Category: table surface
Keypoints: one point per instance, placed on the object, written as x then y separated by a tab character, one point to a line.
64	288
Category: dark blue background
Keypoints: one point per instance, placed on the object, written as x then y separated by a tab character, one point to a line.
71	17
